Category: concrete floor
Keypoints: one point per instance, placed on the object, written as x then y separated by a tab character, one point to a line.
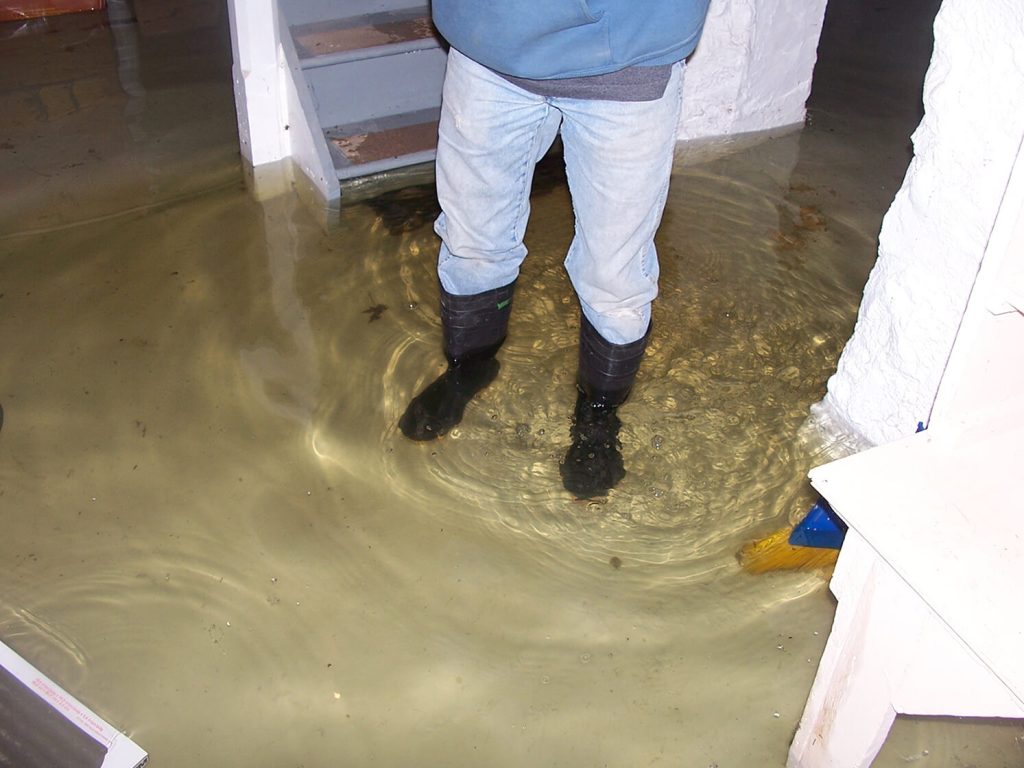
213	534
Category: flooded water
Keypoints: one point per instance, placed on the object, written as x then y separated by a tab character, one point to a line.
215	536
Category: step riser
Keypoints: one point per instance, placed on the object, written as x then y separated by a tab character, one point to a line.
312	11
373	88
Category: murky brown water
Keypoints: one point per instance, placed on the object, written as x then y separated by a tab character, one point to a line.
214	535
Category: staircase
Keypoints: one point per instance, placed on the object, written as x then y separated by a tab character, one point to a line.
360	85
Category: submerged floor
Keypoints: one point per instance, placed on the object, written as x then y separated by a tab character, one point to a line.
214	535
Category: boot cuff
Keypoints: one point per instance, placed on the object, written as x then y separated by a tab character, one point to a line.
475	325
606	370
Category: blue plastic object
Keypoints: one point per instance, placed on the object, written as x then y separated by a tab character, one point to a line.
821	528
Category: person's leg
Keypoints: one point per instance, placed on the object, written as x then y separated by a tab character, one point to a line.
618	159
491	136
593	464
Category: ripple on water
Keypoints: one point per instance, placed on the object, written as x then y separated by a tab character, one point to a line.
37	638
710	434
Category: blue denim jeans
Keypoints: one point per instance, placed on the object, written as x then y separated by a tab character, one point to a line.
618	159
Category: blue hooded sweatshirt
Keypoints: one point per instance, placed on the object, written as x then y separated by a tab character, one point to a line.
546	39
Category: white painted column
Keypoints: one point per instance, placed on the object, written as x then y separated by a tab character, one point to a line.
849	710
752	70
935	234
259	81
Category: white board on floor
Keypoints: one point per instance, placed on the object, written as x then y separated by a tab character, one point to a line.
121	752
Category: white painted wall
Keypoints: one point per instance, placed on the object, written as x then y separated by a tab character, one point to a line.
752	70
258	77
935	234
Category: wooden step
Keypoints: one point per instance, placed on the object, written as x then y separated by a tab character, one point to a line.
362	37
360	149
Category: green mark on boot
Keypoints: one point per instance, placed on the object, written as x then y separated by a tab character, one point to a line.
505	303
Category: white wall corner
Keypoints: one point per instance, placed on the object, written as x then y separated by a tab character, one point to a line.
934	236
752	70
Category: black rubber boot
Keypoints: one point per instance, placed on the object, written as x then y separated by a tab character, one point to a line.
593	464
474	328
